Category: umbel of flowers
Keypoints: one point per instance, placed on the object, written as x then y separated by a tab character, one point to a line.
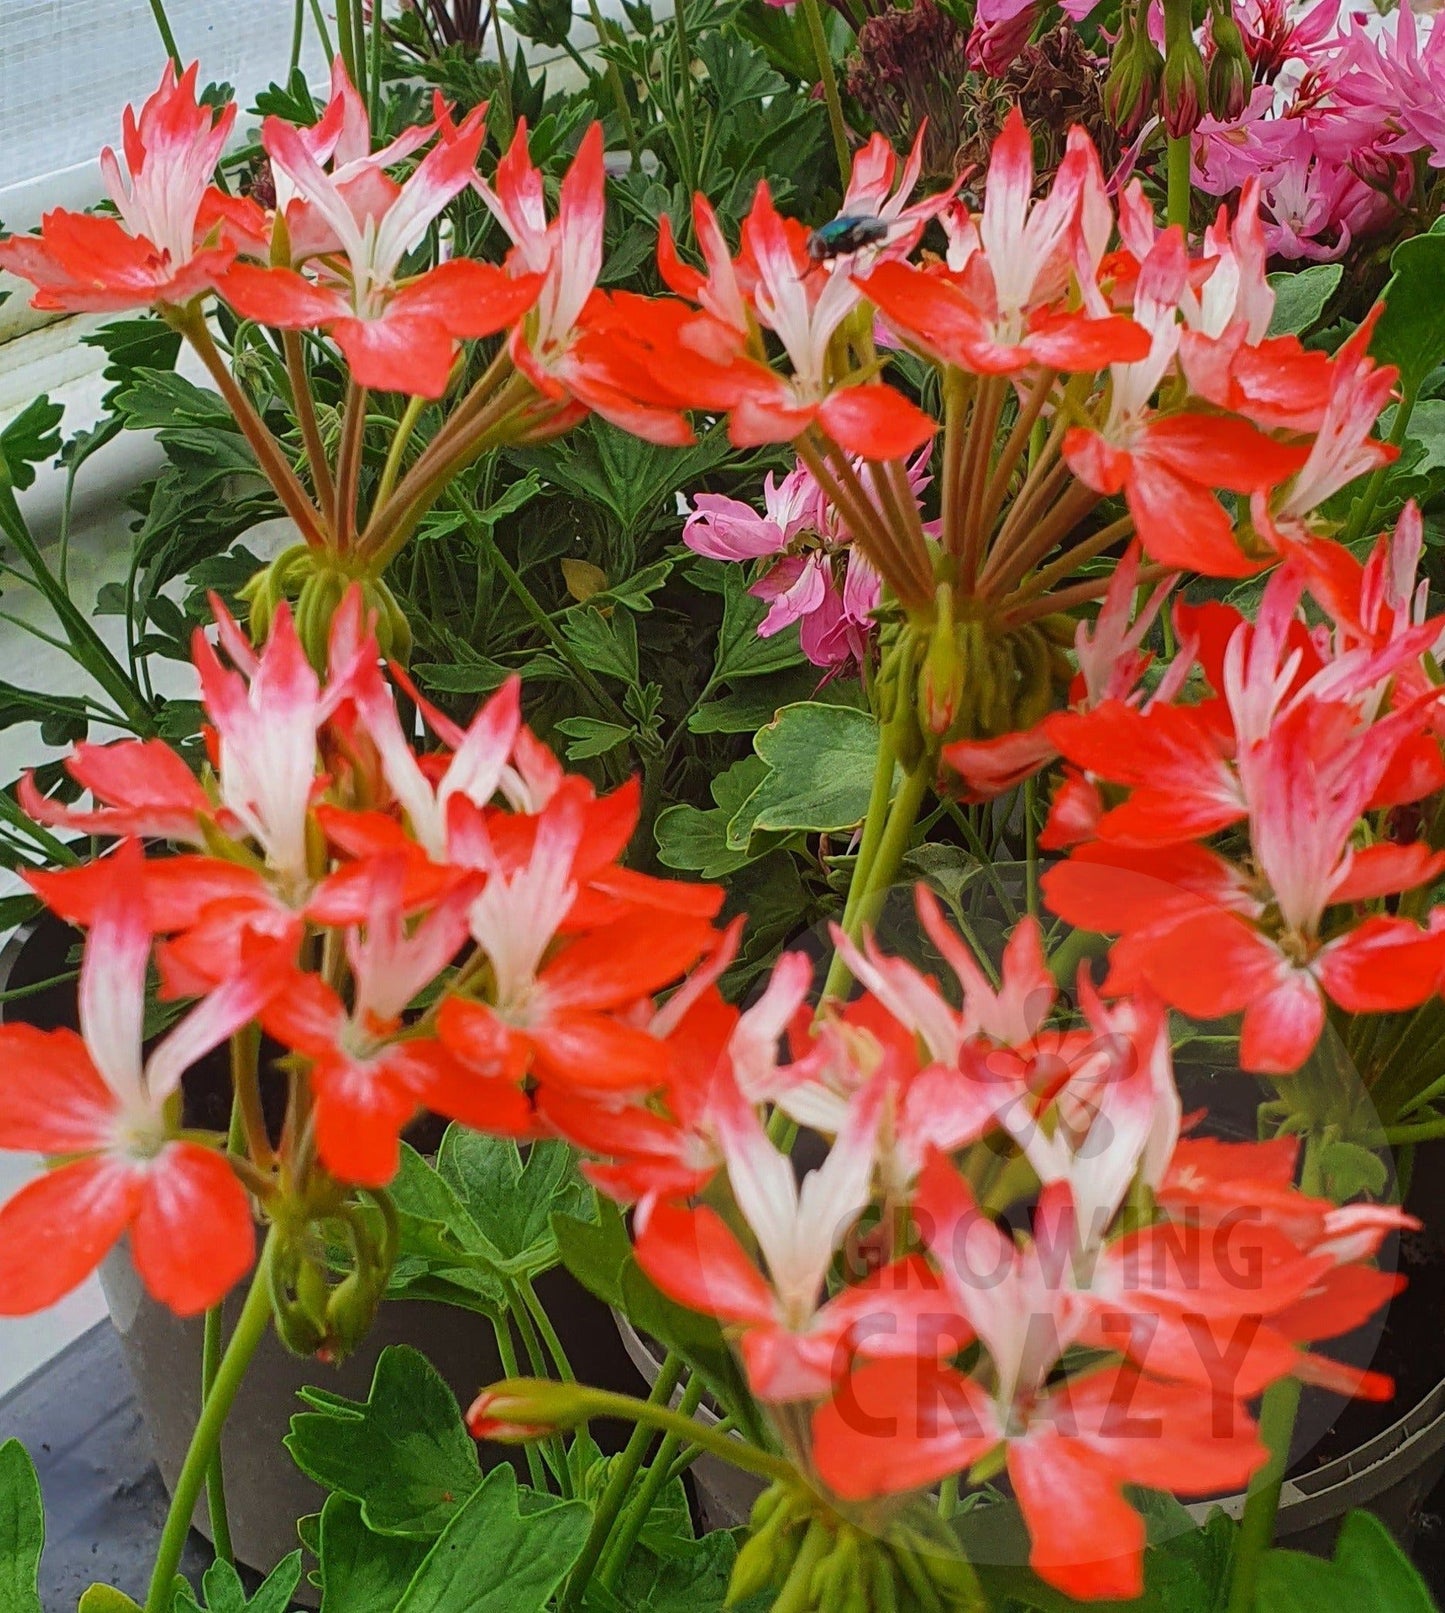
1016	1255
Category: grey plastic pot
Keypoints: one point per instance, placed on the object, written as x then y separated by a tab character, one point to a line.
1390	1475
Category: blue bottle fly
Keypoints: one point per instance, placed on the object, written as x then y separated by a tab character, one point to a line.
840	236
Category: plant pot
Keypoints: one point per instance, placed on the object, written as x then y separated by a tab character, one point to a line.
265	1491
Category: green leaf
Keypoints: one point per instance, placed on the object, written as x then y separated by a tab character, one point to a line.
158	400
1411	331
224	1593
1368	1571
820	761
591	736
595	1252
32	437
1350	1169
403	1454
106	1599
690	838
511	1201
22	1530
691	1579
747	709
1300	296
605	644
477	677
494	1558
440	1243
740	652
636	591
146	342
362	1572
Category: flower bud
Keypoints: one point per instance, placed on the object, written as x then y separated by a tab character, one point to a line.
940	679
519	1410
1185	87
1231	74
1131	91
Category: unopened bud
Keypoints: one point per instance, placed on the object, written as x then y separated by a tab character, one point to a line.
940	680
1131	91
519	1410
1185	87
1231	74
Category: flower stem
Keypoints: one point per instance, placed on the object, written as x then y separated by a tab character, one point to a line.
304	407
507	1355
251	1327
1180	190
274	465
614	79
658	1475
211	1348
168	38
348	467
870	885
394	455
1364	506
1261	1507
626	1469
829	80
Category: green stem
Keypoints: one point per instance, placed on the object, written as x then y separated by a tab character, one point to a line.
883	869
1277	1415
624	1471
251	1328
1424	1132
829	80
1365	504
378	9
688	121
168	39
1256	1527
1180	188
532	1343
658	1475
213	1339
346	39
321	31
1031	844
614	78
394	455
540	619
555	1347
298	33
507	1354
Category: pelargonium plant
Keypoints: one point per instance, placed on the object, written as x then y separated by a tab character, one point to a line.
1018	1261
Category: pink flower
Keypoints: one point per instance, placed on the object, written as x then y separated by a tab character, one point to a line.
820	581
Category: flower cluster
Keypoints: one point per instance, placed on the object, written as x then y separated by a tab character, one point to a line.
1343	102
1236	839
445	929
897	1329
